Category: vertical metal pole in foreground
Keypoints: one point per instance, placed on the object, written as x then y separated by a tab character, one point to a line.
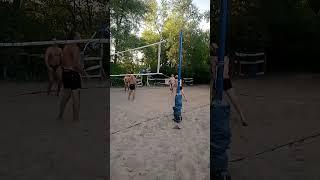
221	50
178	99
220	111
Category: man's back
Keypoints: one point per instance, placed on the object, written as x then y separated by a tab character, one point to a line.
132	79
126	79
71	57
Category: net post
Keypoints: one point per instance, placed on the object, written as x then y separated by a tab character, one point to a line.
159	56
100	62
220	136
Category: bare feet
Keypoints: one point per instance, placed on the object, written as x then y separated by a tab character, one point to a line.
176	127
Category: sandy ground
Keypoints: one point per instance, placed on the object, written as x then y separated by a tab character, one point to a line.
279	109
35	146
143	144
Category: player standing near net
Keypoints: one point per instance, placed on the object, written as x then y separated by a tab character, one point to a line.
53	58
227	85
71	69
132	86
172	82
126	82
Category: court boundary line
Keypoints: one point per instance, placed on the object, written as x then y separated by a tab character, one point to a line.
274	148
157	117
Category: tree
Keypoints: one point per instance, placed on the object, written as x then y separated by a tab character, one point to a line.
126	16
165	21
40	20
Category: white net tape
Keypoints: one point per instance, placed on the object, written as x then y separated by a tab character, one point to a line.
41	43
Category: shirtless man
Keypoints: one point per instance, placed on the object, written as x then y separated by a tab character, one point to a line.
71	69
132	86
227	85
53	59
126	82
172	82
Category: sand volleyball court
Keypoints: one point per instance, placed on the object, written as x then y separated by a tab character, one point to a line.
143	144
35	146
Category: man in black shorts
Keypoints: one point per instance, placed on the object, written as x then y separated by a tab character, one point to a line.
71	77
132	86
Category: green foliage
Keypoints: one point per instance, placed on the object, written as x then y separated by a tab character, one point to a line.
126	16
165	21
38	21
287	30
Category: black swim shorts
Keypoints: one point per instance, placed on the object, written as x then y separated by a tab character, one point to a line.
132	87
71	79
54	67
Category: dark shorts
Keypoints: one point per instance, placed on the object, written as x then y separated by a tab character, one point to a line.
71	80
132	87
54	67
226	85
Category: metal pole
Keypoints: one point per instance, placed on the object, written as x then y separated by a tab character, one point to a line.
220	136
221	50
159	54
178	99
180	64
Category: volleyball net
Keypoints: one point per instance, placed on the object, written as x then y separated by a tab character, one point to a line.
26	60
134	57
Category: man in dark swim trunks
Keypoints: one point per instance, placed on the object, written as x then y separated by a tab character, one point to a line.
53	59
71	69
227	85
132	86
